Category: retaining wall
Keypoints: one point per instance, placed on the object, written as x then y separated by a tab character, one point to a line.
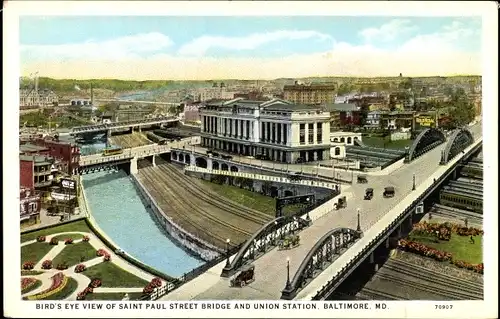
188	241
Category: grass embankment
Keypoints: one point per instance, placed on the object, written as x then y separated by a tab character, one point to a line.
377	141
113	276
252	200
34	252
72	254
459	246
78	226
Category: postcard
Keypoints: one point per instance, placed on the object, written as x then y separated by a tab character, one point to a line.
250	159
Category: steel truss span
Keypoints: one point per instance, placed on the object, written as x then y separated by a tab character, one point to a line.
323	254
425	141
264	239
459	140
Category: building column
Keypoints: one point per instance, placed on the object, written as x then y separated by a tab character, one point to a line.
275	126
244	128
133	166
315	133
282	137
154	161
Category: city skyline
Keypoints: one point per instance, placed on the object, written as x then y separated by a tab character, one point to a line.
200	48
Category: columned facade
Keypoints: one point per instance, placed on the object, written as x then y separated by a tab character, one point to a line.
274	130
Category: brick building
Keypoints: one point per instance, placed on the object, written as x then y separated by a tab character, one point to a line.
312	94
66	155
30	205
36	171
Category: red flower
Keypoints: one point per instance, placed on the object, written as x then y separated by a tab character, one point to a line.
148	289
28	265
81	296
88	290
156	282
95	283
101	252
80	268
47	264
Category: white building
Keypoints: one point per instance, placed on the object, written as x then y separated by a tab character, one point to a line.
339	140
276	128
373	118
213	93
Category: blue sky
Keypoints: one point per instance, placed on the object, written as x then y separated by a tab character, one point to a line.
110	38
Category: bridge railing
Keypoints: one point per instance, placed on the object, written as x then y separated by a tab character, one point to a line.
347	269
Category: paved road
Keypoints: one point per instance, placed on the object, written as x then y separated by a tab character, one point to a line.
271	268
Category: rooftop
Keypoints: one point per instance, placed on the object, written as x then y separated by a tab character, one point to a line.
32	148
37	159
341	107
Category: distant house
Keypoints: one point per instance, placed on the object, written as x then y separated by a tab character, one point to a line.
343	114
373	119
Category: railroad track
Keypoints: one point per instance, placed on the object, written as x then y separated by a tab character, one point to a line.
371	294
177	210
224	203
207	224
400	272
450	212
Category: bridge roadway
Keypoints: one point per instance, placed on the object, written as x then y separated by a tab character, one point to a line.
140	102
137	152
270	269
121	125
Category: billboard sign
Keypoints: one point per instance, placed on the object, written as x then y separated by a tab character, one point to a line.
425	121
68	183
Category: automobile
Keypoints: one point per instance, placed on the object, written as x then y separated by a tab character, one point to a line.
299	160
362	179
227	157
341	203
244	277
368	193
389	192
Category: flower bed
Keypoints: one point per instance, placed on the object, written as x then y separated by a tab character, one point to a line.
152	285
80	268
68	241
59	281
54	241
40	239
426	251
86	238
47	264
95	283
27	283
101	252
431	228
107	258
28	265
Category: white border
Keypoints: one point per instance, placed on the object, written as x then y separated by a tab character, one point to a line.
14	307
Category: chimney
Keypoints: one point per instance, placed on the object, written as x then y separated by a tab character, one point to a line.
91	94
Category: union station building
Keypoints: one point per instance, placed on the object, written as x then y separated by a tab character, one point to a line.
278	129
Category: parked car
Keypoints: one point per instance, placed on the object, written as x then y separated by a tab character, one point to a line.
389	192
244	277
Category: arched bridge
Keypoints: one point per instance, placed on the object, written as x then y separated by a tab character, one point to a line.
121	125
264	239
459	140
425	141
323	253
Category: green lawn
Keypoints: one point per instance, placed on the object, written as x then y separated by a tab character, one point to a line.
72	254
376	141
245	197
113	296
35	251
75	236
37	284
114	276
80	226
70	287
31	272
459	246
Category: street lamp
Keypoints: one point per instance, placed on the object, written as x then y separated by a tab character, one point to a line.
308	203
413	188
288	285
227	253
358	228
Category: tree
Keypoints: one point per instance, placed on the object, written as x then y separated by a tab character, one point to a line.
463	112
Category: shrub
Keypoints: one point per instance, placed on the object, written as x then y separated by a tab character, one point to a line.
101	252
148	289
47	264
62	266
156	282
27	283
107	258
95	283
40	239
28	265
80	268
88	290
81	296
54	241
68	241
86	238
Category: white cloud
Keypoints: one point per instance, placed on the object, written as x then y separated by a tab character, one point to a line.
124	47
439	53
201	45
389	31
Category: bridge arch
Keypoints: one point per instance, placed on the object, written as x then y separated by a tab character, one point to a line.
201	162
224	167
215	165
425	141
187	159
181	157
288	193
335	242
234	169
459	140
266	237
174	156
